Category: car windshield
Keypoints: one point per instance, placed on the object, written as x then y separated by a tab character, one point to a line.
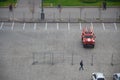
101	79
88	36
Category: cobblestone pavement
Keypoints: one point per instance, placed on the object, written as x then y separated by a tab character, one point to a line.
22	44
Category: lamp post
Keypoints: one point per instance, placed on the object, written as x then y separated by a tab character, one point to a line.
42	11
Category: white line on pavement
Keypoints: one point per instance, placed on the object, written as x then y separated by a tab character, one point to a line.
12	26
103	26
46	26
115	26
68	26
35	26
91	24
80	26
23	26
57	26
1	25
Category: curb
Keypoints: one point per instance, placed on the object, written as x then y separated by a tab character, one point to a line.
60	21
82	7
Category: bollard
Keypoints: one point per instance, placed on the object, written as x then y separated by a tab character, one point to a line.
92	60
52	59
112	60
69	16
72	59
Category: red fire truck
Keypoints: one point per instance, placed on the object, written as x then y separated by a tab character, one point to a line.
88	37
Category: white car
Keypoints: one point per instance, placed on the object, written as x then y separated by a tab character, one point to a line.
116	76
98	76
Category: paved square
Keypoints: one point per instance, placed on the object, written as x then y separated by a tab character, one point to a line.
98	27
110	26
64	26
42	42
29	26
75	26
40	26
18	26
7	26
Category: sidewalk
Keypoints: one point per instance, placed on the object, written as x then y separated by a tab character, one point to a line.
27	11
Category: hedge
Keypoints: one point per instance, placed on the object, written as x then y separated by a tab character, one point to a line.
3	0
89	1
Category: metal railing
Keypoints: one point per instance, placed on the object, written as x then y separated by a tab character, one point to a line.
48	57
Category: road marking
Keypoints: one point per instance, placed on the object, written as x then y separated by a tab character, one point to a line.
34	26
1	25
57	26
103	26
115	26
91	24
46	26
68	26
80	26
24	26
12	26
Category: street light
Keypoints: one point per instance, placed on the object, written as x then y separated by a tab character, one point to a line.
42	11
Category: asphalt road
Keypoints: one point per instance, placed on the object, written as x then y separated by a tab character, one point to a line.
22	44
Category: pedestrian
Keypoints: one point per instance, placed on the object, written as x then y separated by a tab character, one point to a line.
104	5
81	65
59	7
10	7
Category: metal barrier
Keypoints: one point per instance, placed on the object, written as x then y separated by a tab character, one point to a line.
57	57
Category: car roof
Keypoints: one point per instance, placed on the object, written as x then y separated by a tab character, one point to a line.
118	74
99	75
